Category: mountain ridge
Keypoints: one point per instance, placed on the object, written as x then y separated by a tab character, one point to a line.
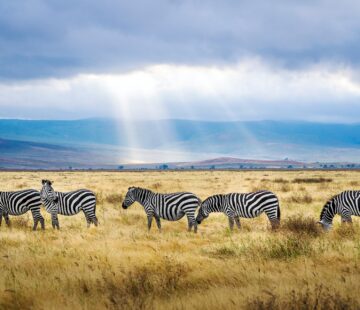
183	140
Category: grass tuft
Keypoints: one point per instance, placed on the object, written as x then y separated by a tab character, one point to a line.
317	298
114	199
302	225
289	248
304	198
312	180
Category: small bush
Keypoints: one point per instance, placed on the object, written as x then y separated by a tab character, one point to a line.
302	225
280	180
285	188
156	186
312	299
15	300
288	248
345	230
137	287
312	180
224	251
300	198
21	186
20	221
114	199
354	183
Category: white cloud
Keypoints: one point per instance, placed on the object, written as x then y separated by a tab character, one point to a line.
251	89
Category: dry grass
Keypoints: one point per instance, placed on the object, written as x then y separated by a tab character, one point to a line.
302	225
312	180
119	265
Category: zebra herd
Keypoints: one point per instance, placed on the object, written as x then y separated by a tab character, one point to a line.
171	207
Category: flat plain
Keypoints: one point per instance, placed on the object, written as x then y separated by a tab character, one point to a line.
120	265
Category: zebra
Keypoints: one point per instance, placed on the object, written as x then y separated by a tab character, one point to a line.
345	204
247	205
20	202
171	207
69	203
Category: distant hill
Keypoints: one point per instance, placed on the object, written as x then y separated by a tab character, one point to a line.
149	134
110	142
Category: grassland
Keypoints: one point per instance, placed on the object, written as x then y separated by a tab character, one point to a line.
120	265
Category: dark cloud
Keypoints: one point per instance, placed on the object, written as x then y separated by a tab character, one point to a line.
41	38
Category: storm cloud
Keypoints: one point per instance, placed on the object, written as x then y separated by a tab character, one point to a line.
41	38
215	60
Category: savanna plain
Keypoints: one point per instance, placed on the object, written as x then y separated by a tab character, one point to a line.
120	265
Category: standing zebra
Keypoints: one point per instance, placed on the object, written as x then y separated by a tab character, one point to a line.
171	207
69	203
237	205
345	204
20	202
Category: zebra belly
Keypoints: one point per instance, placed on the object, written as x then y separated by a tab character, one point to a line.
21	211
66	213
247	215
172	217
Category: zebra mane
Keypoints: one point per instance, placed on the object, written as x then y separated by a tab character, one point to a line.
218	196
326	206
140	188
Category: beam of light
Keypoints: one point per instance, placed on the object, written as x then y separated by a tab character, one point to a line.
249	90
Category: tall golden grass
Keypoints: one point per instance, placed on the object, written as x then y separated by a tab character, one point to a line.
119	265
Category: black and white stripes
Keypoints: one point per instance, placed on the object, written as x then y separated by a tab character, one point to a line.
20	202
236	205
345	204
69	203
171	207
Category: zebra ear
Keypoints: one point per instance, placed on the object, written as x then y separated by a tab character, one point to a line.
49	182
43	182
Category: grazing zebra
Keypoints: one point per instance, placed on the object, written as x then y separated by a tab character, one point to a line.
20	202
69	203
171	207
345	204
237	205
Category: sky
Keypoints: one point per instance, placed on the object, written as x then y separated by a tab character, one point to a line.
209	60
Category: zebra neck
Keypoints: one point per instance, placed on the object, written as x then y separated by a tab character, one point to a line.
48	204
217	205
329	211
143	196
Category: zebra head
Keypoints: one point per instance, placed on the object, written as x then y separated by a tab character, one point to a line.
129	198
47	193
203	213
327	214
325	226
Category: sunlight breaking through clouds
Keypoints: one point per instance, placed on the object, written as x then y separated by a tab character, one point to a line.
251	89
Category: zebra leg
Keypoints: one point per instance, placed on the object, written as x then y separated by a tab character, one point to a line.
192	222
149	218
37	217
55	221
88	221
158	223
275	223
90	216
231	223
7	220
237	221
42	223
